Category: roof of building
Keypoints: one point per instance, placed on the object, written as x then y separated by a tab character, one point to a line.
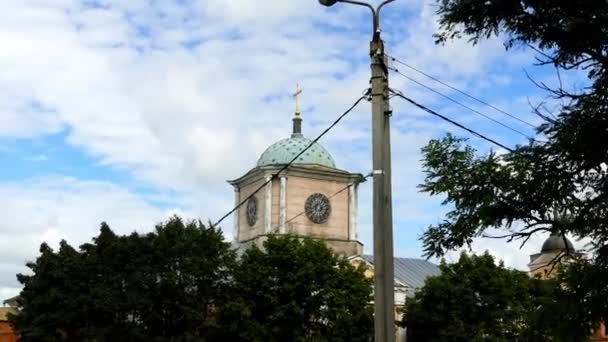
411	271
283	151
11	301
555	243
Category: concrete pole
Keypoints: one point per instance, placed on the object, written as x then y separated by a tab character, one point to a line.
384	300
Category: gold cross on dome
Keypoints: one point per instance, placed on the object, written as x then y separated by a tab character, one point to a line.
296	95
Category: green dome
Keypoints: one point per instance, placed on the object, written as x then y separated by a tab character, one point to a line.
283	151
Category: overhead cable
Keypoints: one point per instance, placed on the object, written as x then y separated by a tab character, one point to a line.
463	105
394	59
443	117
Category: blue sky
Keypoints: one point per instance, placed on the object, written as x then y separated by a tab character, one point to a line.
130	111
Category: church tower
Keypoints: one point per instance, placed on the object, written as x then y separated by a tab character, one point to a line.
311	198
556	249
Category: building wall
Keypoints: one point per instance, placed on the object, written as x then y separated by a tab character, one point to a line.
247	232
276	204
6	332
298	189
600	334
281	206
543	266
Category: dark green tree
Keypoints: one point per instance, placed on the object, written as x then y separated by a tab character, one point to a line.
476	300
194	266
560	185
582	299
297	290
40	318
163	286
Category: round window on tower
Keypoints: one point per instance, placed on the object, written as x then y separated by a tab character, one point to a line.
317	208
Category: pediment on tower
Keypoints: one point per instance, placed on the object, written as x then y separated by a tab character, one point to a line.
312	171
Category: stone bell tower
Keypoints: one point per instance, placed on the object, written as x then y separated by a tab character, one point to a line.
311	198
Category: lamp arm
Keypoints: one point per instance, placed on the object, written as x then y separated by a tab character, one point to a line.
371	8
383	4
377	13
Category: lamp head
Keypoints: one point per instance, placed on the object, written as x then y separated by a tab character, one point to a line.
328	2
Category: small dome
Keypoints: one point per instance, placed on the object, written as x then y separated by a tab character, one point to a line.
555	243
283	151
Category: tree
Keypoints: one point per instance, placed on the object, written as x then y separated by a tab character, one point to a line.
557	186
581	300
182	282
477	300
297	290
155	287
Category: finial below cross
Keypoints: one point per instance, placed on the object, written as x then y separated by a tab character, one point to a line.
296	95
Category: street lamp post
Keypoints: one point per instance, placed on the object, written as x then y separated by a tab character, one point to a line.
384	301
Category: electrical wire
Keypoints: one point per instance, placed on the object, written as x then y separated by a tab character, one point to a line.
274	176
394	59
432	112
463	105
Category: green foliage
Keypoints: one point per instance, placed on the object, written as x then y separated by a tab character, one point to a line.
582	298
526	187
560	185
298	290
159	286
475	300
570	33
182	282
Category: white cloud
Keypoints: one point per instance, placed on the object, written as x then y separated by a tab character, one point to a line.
56	208
9	292
22	118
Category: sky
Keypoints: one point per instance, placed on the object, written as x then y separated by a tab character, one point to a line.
131	111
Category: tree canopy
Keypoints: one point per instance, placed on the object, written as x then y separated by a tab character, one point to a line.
298	290
158	286
567	174
183	282
560	185
475	299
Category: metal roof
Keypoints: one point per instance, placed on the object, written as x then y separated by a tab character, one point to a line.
410	271
283	151
557	243
12	302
